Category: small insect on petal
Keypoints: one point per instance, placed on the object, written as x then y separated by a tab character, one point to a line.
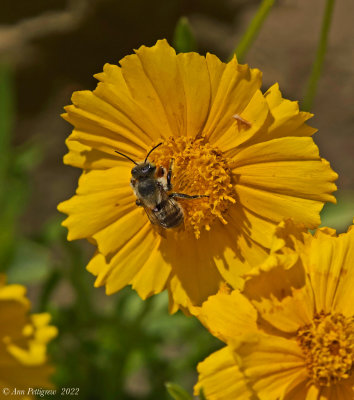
241	121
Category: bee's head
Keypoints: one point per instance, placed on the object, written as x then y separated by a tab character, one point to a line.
144	170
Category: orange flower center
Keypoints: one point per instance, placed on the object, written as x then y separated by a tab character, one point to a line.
199	169
328	345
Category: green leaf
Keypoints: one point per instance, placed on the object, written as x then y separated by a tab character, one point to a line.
339	216
183	38
177	392
202	395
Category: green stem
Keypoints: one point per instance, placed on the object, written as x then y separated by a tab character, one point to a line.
320	55
47	290
253	29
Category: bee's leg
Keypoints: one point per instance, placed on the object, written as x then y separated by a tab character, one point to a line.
186	196
169	175
138	203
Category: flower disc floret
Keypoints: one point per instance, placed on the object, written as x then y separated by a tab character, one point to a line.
328	345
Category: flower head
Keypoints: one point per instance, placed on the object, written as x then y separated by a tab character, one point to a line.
248	156
290	333
23	342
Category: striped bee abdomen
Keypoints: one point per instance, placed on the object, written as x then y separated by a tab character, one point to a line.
169	213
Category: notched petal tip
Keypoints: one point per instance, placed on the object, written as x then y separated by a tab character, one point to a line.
159	45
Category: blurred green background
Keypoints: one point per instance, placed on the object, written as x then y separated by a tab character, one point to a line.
120	347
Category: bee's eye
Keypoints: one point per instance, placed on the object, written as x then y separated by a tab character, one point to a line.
145	169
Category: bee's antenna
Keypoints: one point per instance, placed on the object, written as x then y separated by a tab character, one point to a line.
152	150
126	157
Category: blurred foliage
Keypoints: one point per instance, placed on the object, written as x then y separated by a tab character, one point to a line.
15	164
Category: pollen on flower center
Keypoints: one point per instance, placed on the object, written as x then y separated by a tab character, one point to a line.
328	345
199	169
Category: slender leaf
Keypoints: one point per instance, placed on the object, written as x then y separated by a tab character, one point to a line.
6	117
339	216
177	392
320	55
183	39
253	29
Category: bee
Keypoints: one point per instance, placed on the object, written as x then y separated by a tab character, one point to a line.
151	188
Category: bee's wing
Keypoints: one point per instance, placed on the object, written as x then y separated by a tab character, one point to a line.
162	196
151	215
170	205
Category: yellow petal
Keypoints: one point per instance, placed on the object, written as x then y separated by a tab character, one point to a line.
272	364
235	88
343	390
302	392
289	166
23	341
130	101
138	263
277	206
254	226
152	277
245	125
282	149
101	122
14	292
108	145
286	116
216	70
289	313
194	267
23	377
220	378
153	80
103	197
228	315
234	251
276	277
329	263
114	91
177	296
343	262
307	179
194	76
84	156
111	238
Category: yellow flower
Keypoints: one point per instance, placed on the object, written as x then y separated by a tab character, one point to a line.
23	343
251	153
290	333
